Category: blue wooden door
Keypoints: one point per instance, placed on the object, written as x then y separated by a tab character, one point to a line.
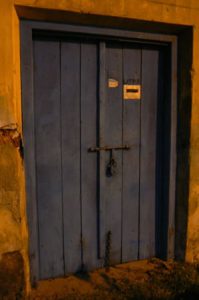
96	153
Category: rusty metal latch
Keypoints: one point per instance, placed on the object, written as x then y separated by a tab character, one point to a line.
111	168
107	148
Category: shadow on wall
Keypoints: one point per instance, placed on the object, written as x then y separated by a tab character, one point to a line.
11	276
185	56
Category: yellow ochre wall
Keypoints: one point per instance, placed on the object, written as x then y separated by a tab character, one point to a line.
13	222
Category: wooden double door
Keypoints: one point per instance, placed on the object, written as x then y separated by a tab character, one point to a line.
98	129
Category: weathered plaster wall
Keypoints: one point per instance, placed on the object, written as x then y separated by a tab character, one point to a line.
13	229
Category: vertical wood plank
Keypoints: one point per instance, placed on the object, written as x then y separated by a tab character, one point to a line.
148	153
89	127
111	130
70	118
101	142
131	136
48	154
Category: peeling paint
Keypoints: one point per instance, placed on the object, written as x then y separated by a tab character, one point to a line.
10	134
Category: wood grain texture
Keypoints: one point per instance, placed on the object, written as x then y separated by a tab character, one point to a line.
101	155
111	130
71	159
89	126
148	153
131	158
48	157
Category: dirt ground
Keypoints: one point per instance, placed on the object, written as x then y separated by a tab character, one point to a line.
153	279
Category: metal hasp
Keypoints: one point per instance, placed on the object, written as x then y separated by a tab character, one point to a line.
112	165
107	148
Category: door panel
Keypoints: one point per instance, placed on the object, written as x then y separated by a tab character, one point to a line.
131	158
89	161
71	139
148	153
48	157
111	134
83	208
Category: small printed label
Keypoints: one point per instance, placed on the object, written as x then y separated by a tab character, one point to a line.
112	83
131	92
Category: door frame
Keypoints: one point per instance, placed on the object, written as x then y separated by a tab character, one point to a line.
27	28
